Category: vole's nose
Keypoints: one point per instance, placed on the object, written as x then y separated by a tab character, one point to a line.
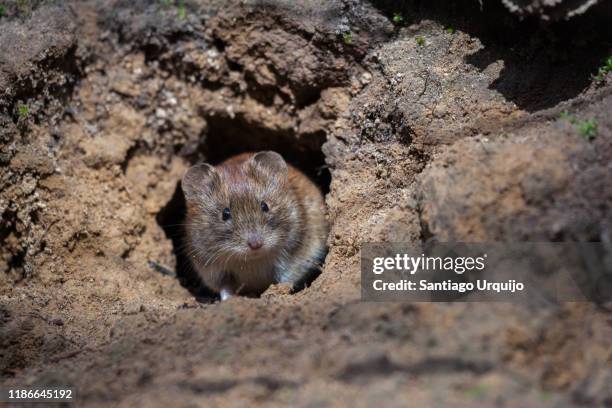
255	241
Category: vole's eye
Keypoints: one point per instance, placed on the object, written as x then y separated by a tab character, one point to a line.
226	215
264	207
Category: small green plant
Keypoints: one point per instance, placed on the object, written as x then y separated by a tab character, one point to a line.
397	18
450	30
182	11
420	40
23	111
587	128
2	10
604	70
477	391
347	36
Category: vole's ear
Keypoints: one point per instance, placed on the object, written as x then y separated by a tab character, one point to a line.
197	179
271	161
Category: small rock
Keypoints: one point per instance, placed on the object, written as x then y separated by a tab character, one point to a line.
133	307
161	113
366	78
279	289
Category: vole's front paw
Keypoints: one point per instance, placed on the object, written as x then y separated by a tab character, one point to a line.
226	293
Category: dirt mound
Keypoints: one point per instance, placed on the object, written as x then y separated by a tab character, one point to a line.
423	122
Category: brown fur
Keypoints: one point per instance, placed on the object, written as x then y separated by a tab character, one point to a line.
293	231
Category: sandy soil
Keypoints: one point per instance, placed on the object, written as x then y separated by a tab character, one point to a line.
445	125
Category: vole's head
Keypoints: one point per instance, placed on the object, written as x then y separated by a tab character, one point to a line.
240	211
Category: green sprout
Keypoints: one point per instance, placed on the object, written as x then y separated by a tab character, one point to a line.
397	18
604	70
420	40
587	128
23	110
23	113
182	11
2	10
477	391
347	36
450	30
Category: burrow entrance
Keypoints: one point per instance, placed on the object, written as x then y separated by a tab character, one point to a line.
227	137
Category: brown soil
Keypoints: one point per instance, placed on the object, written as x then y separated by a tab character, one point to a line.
412	129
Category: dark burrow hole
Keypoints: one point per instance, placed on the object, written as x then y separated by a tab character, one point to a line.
227	137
